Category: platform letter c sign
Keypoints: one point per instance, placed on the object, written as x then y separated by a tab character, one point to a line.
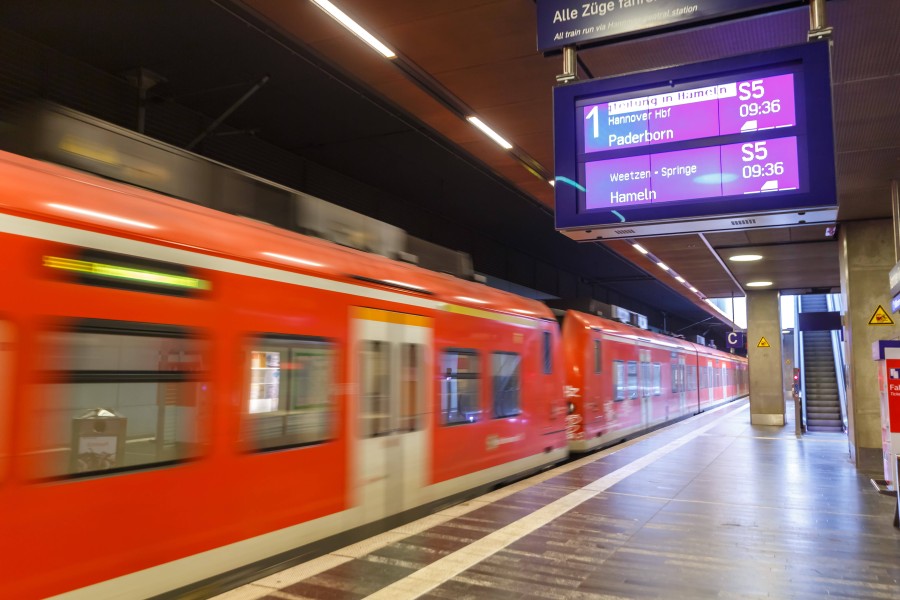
734	339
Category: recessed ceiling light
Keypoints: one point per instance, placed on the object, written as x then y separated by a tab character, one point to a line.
640	248
695	290
663	266
745	257
680	279
758	283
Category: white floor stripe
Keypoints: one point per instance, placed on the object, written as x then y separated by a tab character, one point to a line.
428	578
311	568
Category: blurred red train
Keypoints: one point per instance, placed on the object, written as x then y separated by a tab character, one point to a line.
621	380
184	392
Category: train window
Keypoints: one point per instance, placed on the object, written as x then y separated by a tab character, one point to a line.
632	379
289	401
676	372
460	382
692	378
646	384
619	380
375	399
548	353
505	367
657	379
121	396
412	386
598	363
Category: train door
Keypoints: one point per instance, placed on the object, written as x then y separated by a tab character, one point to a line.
646	388
392	352
710	379
681	393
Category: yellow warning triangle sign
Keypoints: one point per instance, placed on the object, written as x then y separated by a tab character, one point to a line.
881	317
763	343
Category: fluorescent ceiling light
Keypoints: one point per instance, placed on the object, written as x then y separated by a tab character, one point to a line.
680	279
489	132
301	261
640	248
745	257
104	216
663	266
355	28
758	283
695	290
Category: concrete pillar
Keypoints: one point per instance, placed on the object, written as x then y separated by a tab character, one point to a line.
866	256
766	384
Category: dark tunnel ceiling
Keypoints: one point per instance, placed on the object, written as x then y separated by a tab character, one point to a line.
331	100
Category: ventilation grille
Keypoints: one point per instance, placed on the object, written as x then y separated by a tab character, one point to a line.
743	222
624	231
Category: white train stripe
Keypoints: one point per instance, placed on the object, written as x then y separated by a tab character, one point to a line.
110	243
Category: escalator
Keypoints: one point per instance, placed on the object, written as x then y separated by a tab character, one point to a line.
820	379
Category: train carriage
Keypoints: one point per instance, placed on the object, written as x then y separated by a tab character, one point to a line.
621	380
184	392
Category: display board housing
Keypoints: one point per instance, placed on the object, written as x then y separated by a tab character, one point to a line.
742	142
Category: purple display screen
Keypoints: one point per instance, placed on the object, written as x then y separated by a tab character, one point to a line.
741	169
727	108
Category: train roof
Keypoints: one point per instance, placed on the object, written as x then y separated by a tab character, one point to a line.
48	192
609	326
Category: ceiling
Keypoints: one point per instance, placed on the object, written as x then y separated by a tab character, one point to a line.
479	56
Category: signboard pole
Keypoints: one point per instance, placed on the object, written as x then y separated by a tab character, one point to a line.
570	68
818	24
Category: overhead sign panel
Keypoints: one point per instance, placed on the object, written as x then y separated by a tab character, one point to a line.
681	146
575	22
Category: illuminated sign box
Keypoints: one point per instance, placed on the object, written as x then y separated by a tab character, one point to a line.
742	142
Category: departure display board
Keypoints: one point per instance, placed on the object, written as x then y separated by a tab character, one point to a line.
733	136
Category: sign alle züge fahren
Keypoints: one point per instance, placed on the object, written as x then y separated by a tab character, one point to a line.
572	22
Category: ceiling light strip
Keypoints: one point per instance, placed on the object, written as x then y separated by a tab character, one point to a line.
489	132
355	28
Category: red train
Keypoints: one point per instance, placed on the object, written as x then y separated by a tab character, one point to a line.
184	392
620	379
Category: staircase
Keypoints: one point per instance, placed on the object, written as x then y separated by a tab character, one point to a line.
823	406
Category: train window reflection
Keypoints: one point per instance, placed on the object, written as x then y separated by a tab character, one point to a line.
548	354
632	379
619	380
505	375
411	387
460	382
657	379
121	395
376	388
290	401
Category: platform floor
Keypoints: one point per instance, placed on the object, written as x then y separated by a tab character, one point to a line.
711	507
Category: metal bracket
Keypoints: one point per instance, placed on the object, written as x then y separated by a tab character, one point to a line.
570	72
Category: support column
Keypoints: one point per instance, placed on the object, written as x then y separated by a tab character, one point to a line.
766	383
866	256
